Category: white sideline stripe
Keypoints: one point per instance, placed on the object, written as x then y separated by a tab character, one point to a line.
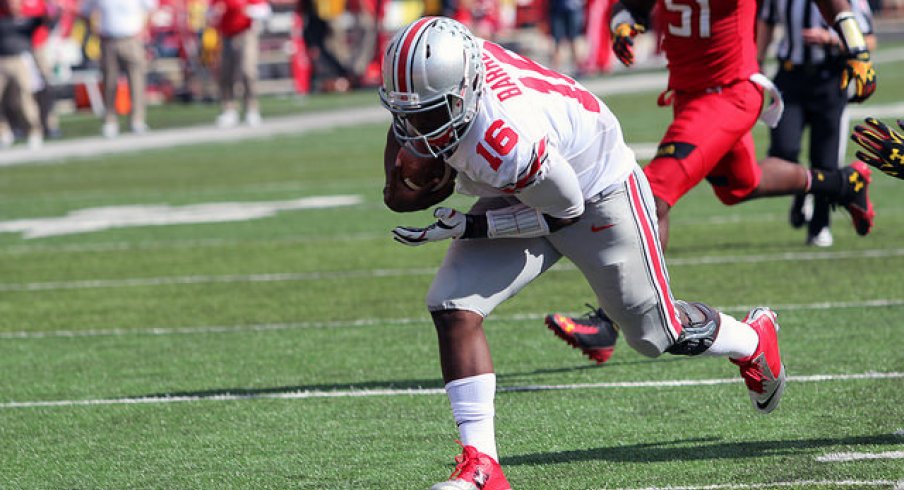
56	152
367	322
842	457
781	484
204	279
299	395
321	275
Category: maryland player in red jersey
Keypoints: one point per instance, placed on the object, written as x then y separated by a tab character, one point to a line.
717	96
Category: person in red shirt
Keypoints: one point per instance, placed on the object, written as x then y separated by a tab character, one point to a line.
239	34
717	94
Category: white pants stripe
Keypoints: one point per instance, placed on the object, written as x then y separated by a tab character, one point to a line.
653	254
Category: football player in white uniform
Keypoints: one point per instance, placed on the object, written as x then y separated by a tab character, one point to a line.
554	177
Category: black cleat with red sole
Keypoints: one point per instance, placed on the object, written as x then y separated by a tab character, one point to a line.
595	334
856	196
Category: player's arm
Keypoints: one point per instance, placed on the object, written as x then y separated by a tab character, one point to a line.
552	202
398	196
859	70
765	30
764	35
628	18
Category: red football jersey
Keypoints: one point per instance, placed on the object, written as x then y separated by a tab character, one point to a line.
708	42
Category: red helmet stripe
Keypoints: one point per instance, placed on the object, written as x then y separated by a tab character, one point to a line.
402	61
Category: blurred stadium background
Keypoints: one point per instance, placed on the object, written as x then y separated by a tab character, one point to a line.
199	308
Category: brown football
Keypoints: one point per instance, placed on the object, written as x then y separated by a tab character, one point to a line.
417	172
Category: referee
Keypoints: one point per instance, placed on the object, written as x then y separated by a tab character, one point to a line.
811	62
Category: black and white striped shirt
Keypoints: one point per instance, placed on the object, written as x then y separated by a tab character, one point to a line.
796	15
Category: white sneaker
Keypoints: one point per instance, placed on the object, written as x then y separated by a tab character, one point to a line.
253	118
110	129
823	239
7	138
228	119
35	140
807	208
140	127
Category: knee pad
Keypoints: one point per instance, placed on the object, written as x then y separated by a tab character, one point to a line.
700	326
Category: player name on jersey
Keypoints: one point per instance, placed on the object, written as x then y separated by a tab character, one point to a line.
498	80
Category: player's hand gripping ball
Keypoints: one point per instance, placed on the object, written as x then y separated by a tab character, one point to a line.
418	172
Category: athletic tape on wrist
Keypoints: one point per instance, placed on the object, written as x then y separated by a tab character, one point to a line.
849	30
518	221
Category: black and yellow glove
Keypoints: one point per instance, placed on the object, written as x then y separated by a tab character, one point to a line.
859	69
860	72
884	146
623	41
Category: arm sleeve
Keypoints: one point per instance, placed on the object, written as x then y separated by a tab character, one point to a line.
557	191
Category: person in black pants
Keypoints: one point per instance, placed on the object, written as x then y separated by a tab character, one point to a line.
315	32
811	64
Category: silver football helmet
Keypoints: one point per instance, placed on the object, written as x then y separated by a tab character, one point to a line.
432	80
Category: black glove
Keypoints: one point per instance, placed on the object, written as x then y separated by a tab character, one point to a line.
623	41
884	147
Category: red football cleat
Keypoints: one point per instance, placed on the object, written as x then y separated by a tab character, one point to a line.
474	471
763	372
857	179
594	334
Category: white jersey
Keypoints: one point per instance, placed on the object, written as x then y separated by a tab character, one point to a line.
531	118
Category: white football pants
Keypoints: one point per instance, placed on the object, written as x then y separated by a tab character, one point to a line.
615	245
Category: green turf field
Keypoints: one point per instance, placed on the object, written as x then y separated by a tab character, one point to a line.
292	350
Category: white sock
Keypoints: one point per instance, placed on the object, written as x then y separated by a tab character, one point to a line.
473	408
735	340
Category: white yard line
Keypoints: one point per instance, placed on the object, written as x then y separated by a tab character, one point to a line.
844	457
422	271
369	322
300	395
82	148
781	484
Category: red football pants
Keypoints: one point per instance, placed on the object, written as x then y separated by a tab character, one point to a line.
709	138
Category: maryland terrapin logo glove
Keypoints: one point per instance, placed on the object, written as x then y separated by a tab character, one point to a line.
884	146
623	41
860	72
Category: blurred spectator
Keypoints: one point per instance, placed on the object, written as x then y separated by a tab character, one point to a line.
599	49
44	95
566	22
235	21
315	32
362	36
16	77
483	17
121	25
